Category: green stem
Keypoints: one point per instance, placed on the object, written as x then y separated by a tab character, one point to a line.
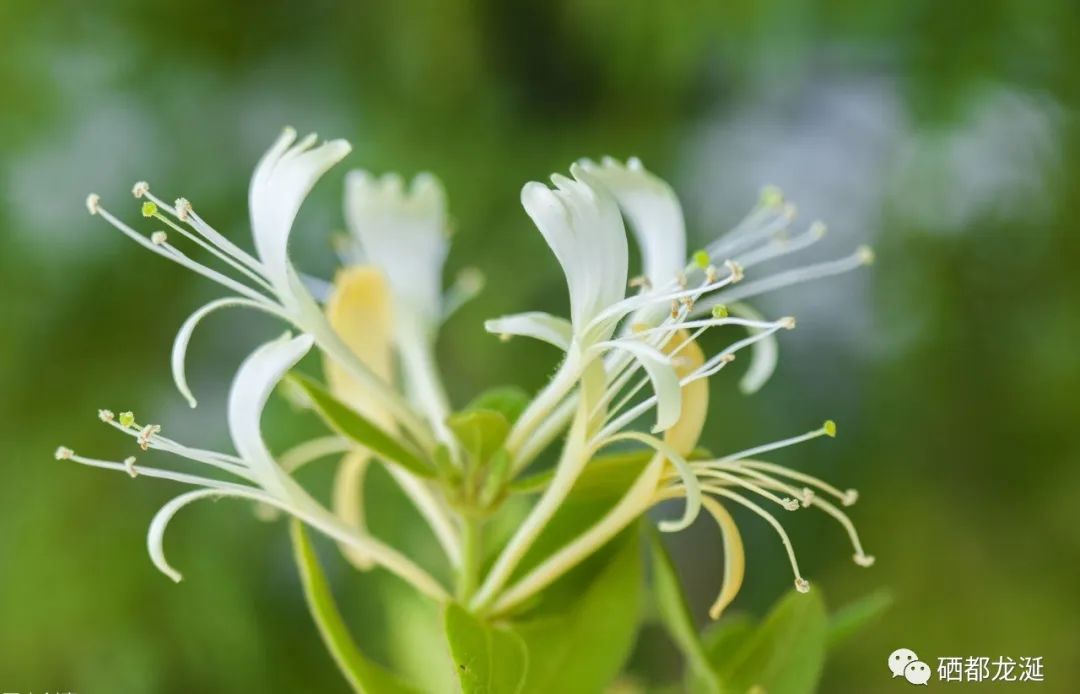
471	556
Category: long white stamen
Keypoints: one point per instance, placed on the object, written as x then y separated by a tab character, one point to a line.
788	503
218	253
783	443
182	477
862	256
801	584
860	557
783	246
847	498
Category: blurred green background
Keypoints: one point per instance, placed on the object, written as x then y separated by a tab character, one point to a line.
944	134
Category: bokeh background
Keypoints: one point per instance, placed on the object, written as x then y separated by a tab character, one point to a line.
944	134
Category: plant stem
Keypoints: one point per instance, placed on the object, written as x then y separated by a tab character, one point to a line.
472	532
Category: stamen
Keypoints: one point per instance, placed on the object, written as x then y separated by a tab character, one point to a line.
735	269
140	189
159	238
129	465
784	443
147	434
93	203
787	503
105	415
801	477
680	279
183	209
63	453
800	583
640	281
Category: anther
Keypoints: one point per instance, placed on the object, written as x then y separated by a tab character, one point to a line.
790	211
183	209
140	189
802	585
787	322
807	496
850	497
710	274
818	229
701	259
719	311
158	238
681	279
149	209
674	309
63	453
864	560
735	269
129	465
127	419
147	434
771	196
640	281
505	337
105	415
93	203
829	427
790	504
865	254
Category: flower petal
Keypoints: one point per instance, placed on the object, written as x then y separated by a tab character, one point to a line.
684	435
359	311
764	353
251	388
281	181
654	213
582	225
348	503
183	338
536	324
662	375
403	233
734	556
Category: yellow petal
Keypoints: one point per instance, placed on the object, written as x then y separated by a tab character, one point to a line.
734	557
359	309
684	435
348	503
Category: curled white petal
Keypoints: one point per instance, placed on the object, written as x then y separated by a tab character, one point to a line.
662	376
654	213
535	324
281	181
251	388
403	232
581	223
764	353
183	338
156	534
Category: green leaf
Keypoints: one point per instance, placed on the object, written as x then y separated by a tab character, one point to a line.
582	647
488	659
511	401
362	674
787	652
852	618
675	614
351	424
481	432
723	639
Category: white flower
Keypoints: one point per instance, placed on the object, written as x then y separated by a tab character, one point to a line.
261	477
281	181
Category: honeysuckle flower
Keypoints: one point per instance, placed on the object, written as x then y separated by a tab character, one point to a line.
281	181
252	473
678	299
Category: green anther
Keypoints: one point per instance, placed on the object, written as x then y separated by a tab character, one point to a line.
127	419
830	428
771	196
701	259
719	311
149	209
